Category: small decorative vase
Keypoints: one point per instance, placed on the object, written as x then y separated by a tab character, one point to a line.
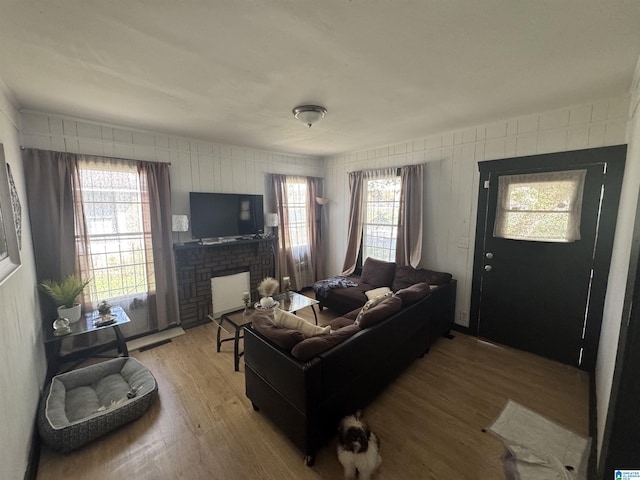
73	314
267	302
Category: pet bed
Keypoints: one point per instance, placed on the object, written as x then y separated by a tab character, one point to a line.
81	405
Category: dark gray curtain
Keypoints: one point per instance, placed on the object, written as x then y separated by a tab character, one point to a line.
409	242
354	232
50	179
156	178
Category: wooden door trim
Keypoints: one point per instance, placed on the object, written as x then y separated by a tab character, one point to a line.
614	157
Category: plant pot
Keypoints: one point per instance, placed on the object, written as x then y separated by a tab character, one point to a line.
73	314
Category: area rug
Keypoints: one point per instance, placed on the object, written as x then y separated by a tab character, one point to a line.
539	448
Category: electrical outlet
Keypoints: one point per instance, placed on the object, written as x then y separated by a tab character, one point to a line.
464	316
463	242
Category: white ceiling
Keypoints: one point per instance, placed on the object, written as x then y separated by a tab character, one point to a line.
387	71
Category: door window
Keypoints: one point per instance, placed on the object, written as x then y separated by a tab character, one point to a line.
540	207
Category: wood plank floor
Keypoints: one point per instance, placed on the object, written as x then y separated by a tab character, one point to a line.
430	420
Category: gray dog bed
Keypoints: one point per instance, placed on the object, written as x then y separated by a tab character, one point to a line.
81	405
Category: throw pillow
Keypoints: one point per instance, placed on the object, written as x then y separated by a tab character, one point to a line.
405	276
371	294
413	293
372	303
282	337
285	319
377	273
380	312
311	347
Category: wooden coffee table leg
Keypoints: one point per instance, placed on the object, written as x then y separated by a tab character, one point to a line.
314	314
218	342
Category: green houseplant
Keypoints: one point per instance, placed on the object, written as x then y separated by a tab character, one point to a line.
64	293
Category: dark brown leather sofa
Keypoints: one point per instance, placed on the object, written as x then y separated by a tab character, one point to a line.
305	397
375	274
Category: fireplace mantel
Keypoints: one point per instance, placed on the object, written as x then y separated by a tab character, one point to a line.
197	264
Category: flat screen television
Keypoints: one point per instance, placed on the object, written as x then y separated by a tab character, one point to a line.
216	215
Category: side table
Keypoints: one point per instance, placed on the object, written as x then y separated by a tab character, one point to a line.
233	323
85	325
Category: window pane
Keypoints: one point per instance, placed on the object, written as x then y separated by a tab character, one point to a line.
113	208
296	211
540	206
381	210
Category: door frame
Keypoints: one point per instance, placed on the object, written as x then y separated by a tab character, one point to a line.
614	157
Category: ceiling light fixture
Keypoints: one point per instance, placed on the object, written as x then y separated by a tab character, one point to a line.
309	114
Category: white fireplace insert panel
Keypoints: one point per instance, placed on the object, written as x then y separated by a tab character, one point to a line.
226	292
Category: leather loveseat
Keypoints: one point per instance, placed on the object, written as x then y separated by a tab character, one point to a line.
306	391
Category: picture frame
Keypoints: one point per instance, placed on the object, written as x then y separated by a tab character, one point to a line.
9	246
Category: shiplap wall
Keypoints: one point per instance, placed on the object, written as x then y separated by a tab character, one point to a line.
196	165
451	183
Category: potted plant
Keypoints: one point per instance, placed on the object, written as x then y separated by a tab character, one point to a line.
64	293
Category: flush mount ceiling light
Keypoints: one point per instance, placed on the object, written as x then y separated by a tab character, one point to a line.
309	114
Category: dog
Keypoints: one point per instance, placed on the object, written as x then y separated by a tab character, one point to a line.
358	447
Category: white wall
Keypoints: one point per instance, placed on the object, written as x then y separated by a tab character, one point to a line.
195	165
451	183
21	348
616	288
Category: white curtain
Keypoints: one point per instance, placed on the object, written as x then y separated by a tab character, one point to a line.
542	207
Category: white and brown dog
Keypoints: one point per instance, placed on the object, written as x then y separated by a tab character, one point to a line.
358	447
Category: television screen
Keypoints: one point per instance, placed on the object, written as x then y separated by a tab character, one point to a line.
225	215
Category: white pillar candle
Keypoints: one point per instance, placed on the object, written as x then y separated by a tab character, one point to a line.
285	281
246	295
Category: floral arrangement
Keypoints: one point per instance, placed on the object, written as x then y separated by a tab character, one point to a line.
268	287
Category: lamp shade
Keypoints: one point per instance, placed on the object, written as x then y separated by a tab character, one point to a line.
271	220
179	223
309	114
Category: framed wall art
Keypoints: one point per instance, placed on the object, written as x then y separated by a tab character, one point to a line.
9	247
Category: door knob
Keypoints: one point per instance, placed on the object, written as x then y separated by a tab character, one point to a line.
489	255
488	268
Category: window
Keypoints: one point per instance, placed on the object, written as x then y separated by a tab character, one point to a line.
296	211
381	213
119	245
543	207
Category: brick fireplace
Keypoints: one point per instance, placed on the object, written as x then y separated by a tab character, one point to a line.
197	264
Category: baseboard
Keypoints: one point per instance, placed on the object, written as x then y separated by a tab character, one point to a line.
462	329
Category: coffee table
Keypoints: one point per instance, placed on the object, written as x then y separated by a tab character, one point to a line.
293	301
234	322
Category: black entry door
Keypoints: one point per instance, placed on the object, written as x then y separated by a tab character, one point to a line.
541	296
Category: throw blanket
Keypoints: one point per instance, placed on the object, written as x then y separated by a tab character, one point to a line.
322	287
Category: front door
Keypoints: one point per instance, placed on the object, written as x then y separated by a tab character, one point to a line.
534	290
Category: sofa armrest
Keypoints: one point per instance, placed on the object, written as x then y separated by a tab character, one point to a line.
298	382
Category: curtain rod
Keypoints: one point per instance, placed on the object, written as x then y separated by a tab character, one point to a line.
22	147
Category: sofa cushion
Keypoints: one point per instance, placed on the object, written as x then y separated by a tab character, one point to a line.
371	294
378	313
338	323
406	276
284	319
311	347
378	273
413	293
285	338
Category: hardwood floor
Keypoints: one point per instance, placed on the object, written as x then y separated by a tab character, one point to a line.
430	420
